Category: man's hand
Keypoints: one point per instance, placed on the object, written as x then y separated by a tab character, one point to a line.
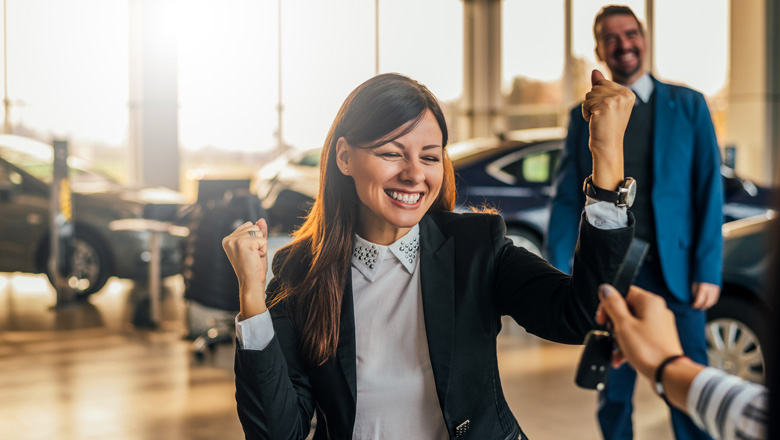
607	107
643	327
705	295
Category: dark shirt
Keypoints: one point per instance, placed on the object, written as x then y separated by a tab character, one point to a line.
638	162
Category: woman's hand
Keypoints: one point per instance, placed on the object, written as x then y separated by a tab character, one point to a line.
647	335
643	326
607	108
247	250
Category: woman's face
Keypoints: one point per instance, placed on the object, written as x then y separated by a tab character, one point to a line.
396	182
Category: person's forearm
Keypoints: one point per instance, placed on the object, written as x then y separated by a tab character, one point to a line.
608	170
252	301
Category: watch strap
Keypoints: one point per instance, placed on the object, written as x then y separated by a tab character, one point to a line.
621	197
594	192
659	376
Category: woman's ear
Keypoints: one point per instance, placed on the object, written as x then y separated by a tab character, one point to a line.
342	155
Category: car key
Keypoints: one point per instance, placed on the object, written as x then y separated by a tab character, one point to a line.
593	369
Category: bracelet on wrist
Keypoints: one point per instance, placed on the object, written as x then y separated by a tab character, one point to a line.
659	375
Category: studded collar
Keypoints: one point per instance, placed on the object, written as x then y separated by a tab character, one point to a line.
368	257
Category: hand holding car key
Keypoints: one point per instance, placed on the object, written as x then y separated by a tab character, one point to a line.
593	369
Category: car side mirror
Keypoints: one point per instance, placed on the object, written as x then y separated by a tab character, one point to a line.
749	187
7	192
10	184
733	184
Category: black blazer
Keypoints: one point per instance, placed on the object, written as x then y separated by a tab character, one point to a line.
471	275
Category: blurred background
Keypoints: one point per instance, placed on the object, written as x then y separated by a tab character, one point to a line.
243	80
182	119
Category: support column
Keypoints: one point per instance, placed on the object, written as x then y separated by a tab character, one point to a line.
482	103
773	91
568	61
154	109
753	102
650	34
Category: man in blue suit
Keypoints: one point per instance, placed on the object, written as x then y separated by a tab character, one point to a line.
671	151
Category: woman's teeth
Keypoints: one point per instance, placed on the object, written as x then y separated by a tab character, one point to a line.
404	197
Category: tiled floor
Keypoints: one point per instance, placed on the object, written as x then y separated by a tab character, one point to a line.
86	372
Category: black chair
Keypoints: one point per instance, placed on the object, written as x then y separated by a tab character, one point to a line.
211	286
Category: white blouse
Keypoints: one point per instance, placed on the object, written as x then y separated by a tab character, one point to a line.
394	375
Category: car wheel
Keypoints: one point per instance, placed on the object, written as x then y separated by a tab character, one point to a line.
732	338
524	238
88	266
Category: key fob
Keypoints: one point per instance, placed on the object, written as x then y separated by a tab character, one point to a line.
593	368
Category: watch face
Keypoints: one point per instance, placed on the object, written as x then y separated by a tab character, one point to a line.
630	191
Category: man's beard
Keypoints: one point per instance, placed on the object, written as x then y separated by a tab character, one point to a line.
627	72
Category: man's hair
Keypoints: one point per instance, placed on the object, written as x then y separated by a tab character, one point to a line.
609	11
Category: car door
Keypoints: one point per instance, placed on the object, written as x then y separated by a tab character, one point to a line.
24	218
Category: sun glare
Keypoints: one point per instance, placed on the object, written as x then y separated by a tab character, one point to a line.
68	62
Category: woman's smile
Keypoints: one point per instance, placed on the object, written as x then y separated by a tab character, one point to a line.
404	199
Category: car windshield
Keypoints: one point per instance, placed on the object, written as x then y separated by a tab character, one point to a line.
81	172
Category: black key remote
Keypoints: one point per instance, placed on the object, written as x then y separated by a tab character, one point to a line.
593	369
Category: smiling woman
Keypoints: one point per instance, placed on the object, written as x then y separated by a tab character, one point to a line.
386	306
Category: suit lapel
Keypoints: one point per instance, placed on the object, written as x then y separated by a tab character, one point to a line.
665	118
346	351
438	299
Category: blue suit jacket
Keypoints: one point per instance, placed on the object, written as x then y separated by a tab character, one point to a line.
687	194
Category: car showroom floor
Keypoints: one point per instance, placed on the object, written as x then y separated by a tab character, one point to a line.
88	372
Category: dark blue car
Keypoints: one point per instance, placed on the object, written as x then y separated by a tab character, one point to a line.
737	327
513	173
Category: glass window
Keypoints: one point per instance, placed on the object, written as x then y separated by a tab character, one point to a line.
536	168
532	47
426	45
68	70
228	72
533	168
704	68
695	52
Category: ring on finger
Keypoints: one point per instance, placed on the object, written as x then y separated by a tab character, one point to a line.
252	233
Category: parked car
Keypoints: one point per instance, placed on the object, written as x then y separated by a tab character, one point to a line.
512	172
736	329
101	248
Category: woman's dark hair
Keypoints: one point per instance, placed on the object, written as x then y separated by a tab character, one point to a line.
313	274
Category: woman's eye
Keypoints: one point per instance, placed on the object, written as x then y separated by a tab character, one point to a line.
431	159
390	155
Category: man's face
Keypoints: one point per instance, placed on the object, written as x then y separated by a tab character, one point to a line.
621	45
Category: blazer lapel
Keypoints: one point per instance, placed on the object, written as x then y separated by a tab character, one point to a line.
346	351
665	117
437	278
